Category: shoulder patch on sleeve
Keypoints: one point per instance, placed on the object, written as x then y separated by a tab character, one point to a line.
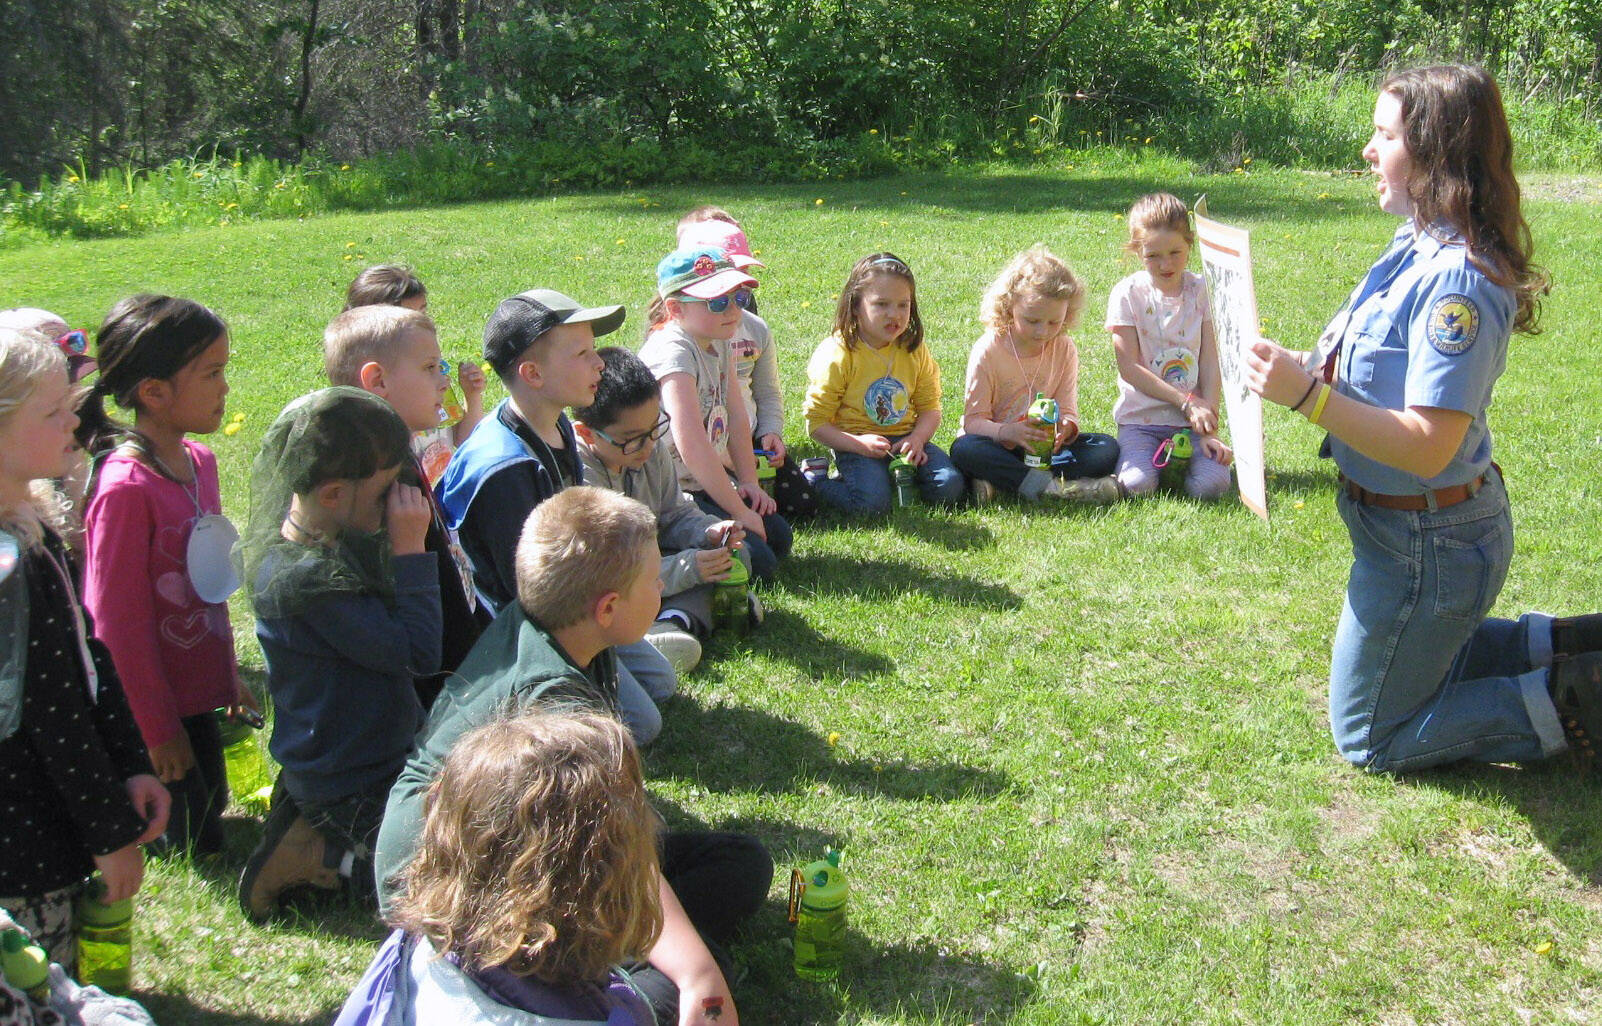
1454	323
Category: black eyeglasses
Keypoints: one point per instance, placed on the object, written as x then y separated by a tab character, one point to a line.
635	444
718	304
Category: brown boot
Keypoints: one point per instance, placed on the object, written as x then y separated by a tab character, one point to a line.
290	855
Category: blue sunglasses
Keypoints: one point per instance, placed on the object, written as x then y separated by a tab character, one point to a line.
718	304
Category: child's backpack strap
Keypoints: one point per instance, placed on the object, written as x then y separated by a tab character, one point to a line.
13	633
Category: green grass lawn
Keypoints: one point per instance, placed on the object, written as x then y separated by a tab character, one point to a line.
1078	758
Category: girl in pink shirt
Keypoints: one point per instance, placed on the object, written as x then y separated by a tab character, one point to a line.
156	572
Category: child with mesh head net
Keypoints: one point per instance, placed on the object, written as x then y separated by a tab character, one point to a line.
347	611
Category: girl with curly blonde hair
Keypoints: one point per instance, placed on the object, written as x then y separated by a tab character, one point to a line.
1026	351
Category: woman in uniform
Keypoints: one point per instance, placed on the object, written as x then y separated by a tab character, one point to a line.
1401	381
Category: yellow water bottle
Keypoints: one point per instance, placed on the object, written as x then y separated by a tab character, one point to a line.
818	895
25	965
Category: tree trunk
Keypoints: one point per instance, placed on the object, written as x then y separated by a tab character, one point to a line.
308	42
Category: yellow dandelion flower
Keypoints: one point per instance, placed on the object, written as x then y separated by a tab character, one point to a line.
238	418
1148	140
1246	160
347	256
1544	948
1118	217
232	429
817	202
72	178
1034	118
344	167
873	131
122	206
834	738
489	163
620	242
238	164
200	174
1298	504
1322	195
806	303
350	245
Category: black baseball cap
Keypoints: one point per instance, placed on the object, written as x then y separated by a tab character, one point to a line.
519	321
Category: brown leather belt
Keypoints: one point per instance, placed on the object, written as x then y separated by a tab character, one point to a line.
1444	497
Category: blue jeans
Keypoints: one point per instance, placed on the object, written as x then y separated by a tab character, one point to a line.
765	555
644	679
989	460
864	484
1419	677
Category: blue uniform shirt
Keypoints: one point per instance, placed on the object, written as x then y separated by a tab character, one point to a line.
1426	328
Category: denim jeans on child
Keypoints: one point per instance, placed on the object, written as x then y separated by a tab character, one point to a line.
864	484
1138	443
765	555
1419	677
644	679
987	459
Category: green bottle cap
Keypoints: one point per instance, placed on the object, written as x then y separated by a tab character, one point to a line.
827	886
738	574
13	941
93	910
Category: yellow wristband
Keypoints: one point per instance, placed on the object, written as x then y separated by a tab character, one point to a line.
1318	407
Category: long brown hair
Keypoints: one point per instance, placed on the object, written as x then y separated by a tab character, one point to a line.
862	274
538	851
1462	177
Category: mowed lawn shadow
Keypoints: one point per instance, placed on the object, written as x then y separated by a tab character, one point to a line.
1561	800
177	1010
877	576
733	748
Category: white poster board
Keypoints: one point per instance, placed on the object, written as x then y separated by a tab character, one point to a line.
1226	254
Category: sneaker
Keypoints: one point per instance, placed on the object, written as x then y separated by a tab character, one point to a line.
677	645
984	493
815	469
1576	686
1095	490
755	611
290	854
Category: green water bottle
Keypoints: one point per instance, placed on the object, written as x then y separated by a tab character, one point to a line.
1173	461
247	773
730	602
1042	414
766	471
905	478
818	895
105	940
26	966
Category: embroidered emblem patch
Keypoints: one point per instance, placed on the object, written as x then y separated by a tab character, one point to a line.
1454	322
704	265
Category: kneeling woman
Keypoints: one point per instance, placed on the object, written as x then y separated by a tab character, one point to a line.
1419	676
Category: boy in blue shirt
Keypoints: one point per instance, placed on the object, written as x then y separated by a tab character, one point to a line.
542	344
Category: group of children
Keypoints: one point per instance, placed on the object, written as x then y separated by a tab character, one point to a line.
452	579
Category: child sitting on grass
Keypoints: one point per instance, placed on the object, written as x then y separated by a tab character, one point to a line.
535	880
873	392
347	612
756	361
1027	351
617	436
588	579
695	314
542	344
393	352
393	285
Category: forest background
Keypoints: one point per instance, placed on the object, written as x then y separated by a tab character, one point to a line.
119	116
